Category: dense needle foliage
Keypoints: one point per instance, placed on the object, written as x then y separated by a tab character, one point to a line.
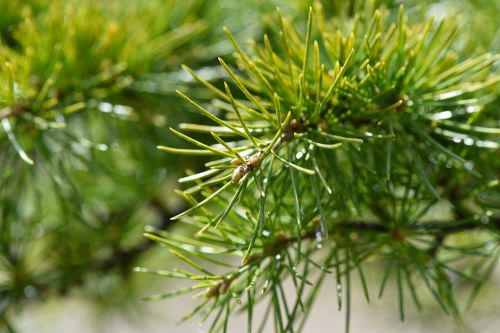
330	144
345	133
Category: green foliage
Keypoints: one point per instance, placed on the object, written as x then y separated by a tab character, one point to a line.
80	174
331	143
335	142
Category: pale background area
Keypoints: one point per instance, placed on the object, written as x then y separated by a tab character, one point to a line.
77	314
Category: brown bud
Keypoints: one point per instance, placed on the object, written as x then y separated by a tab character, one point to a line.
254	161
212	291
294	124
235	161
237	174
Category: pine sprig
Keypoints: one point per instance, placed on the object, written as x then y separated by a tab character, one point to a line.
352	119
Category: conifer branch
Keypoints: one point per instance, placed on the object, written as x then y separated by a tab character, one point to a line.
367	134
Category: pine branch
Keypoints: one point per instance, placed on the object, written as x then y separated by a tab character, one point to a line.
352	118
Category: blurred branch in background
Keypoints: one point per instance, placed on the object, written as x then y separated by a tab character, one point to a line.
80	173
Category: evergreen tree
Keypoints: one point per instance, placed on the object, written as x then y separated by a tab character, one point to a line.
347	132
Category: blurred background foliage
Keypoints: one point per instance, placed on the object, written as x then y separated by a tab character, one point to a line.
85	95
87	91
